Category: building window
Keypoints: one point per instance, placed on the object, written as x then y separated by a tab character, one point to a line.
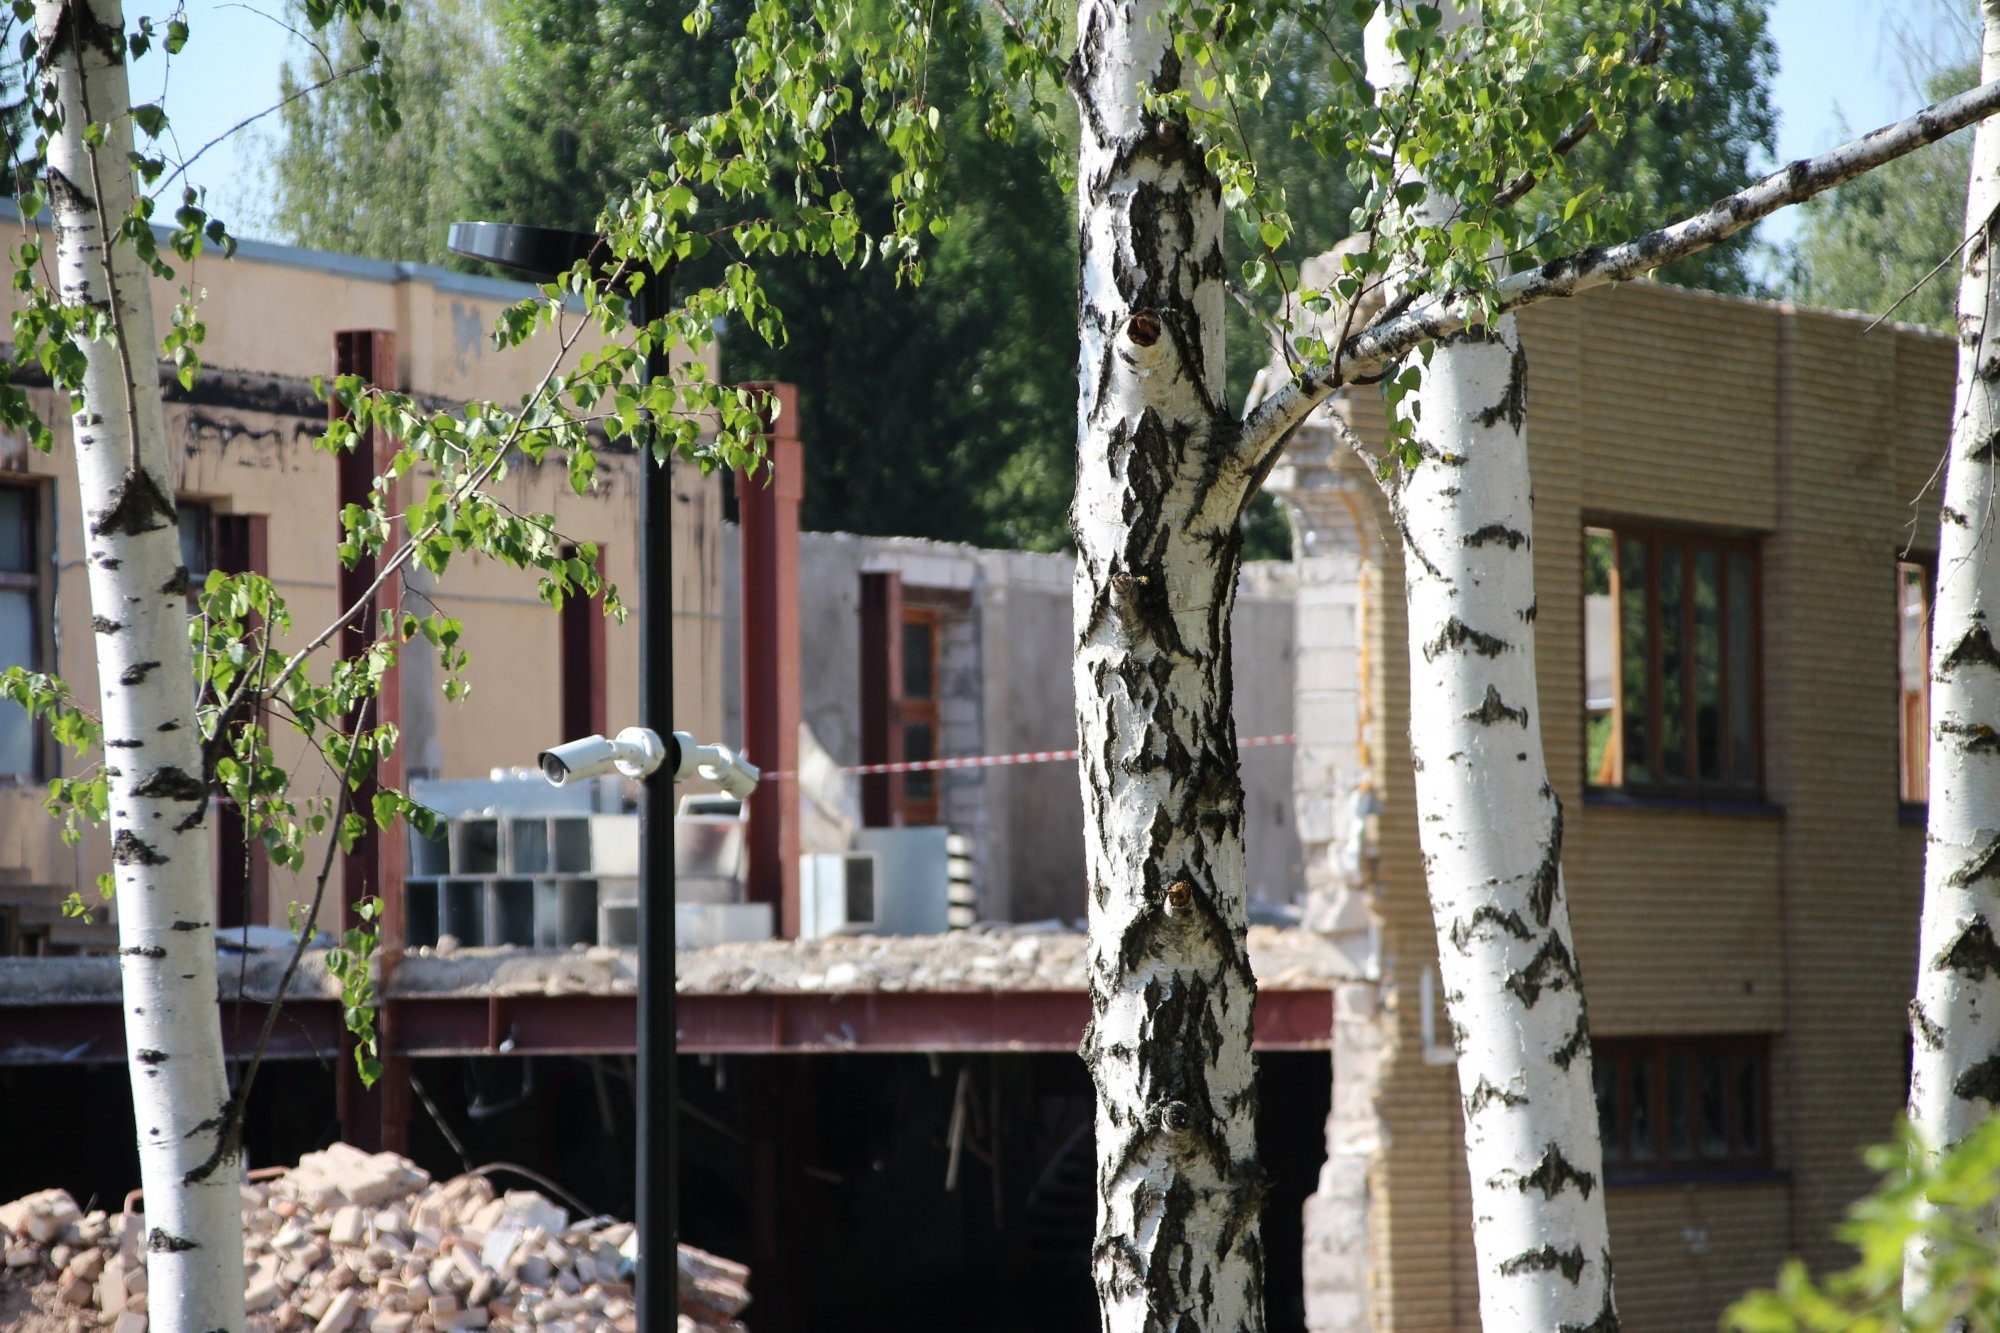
1671	662
1913	674
21	621
1683	1105
581	662
920	713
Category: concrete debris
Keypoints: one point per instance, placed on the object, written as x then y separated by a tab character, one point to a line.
1053	960
353	1242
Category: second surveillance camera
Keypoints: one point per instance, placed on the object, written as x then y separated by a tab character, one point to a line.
634	752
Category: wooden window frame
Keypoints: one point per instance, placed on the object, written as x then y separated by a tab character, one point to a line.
1691	539
1617	1056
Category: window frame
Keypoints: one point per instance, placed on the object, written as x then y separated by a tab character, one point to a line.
1926	561
1692	538
1620	1054
38	582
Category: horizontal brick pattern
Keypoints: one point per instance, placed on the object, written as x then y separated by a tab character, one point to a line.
1647	402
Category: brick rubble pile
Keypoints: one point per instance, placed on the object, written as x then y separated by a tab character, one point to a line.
347	1242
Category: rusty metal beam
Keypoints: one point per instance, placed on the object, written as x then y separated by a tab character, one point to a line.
753	1023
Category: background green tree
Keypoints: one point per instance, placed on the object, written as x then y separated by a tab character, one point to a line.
946	412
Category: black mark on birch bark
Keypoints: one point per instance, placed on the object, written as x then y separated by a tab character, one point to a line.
1974	954
165	1242
102	625
194	819
1513	404
1534	609
1975	645
1952	516
1570	1263
147	1056
1486	1094
1968	737
1575	1044
1463	930
177	582
1512	538
1551	1176
128	850
1548	875
170	784
1493	709
136	673
142	951
138	505
1607	1317
1551	969
1457	634
1923	1030
1981	1081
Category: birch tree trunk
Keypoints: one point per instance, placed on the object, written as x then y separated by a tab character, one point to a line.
1955	1018
1491	827
138	591
1159	491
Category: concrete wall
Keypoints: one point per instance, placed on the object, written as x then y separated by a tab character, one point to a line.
243	443
1005	688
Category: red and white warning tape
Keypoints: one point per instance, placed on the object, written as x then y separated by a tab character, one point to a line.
1003	760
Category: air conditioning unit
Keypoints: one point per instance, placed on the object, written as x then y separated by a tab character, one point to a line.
837	894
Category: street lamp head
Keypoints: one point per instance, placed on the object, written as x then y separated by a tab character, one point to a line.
542	252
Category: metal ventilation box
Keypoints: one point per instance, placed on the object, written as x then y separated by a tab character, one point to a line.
837	894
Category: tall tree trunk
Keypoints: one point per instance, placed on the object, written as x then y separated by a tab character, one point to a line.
1159	491
1491	828
138	591
1955	1018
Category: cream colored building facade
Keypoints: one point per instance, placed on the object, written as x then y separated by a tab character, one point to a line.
243	447
1747	935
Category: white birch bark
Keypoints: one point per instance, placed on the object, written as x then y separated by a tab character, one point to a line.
1955	1017
1491	827
138	587
1159	491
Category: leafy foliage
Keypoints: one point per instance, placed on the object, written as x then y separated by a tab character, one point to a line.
1943	1202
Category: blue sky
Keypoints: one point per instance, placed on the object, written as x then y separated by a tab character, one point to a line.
1836	57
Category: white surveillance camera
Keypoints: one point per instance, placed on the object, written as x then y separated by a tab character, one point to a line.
634	752
714	763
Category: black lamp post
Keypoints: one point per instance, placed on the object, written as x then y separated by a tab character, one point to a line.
545	252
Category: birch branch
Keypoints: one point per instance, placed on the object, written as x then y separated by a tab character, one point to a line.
1388	338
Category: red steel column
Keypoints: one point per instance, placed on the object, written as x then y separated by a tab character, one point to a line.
374	1119
768	507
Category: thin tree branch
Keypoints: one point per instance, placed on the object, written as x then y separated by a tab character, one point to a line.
248	121
1936	269
232	1128
1517	189
1387	337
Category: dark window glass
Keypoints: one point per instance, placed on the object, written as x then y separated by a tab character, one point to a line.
917	747
1686	655
1635	657
1741	690
1680	1130
1604	1076
17	530
1714	1105
1749	1106
1708	661
1682	1106
197	542
918	639
1640	1085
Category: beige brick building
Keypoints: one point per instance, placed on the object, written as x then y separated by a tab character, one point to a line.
1724	493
